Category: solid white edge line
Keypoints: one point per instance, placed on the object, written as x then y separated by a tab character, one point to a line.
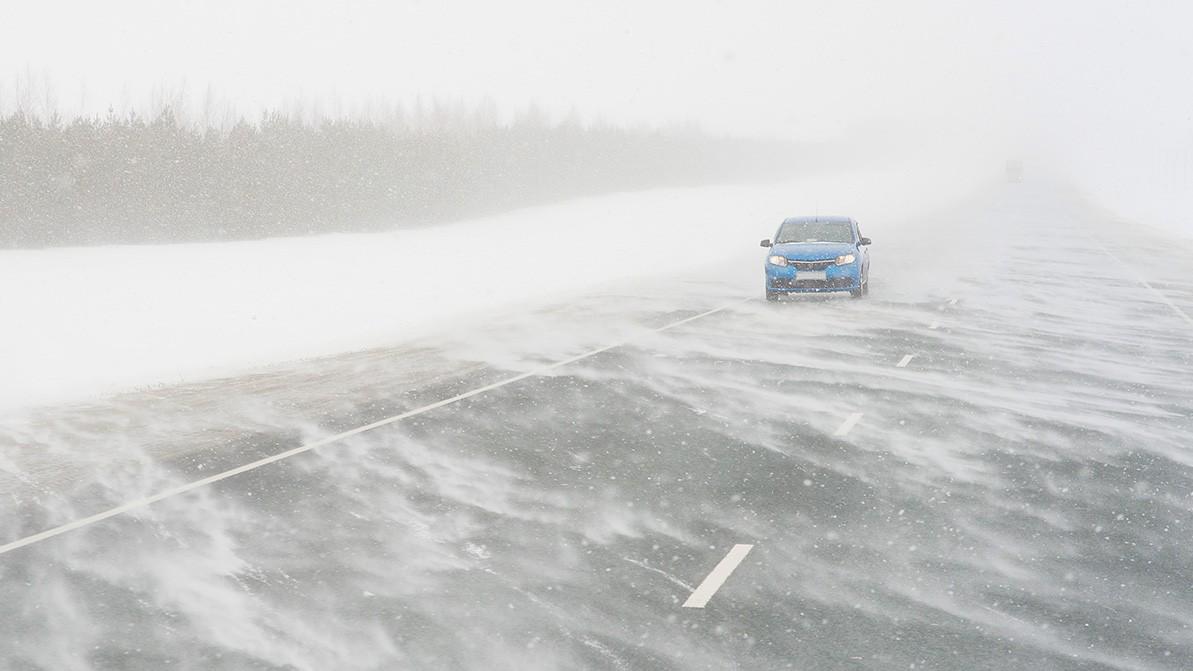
904	361
181	489
847	426
706	589
1139	278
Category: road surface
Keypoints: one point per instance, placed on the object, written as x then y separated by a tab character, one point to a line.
986	464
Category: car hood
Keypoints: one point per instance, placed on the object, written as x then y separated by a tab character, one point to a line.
813	251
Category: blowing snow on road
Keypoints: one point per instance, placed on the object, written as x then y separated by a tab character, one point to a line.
1015	495
407	335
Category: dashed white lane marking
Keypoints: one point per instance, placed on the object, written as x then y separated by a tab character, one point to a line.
1139	278
847	426
705	590
904	361
934	325
182	489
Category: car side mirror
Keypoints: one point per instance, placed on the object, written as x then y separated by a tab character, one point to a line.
764	243
863	241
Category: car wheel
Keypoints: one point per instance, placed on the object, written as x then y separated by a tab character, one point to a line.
772	296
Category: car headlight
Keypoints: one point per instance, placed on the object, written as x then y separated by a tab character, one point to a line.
777	261
846	259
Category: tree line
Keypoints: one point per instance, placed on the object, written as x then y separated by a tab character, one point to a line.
128	179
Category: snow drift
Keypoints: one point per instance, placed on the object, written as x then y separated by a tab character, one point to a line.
86	321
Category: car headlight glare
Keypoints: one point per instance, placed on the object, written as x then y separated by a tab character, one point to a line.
846	259
777	260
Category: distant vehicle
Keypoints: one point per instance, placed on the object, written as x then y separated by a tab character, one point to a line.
1014	171
817	255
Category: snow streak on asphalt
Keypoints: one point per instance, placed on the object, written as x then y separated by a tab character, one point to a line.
1016	496
274	458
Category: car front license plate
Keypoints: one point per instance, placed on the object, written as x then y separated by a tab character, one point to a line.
811	275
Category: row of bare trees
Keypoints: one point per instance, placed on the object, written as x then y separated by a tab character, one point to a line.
126	179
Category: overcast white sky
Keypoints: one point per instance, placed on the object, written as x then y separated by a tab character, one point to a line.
1079	78
793	68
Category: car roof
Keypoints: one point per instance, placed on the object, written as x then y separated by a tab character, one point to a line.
818	217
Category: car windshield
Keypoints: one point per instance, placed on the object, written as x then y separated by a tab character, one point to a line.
815	231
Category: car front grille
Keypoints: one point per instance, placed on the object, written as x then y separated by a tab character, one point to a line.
811	265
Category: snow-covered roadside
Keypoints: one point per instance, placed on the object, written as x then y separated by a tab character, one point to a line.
82	322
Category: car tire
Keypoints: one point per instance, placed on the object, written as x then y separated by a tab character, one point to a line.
772	296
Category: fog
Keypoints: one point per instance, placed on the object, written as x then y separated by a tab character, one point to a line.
1092	93
438	335
772	68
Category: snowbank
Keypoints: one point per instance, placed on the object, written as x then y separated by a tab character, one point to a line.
80	322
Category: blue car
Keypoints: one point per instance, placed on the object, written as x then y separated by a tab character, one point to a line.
817	255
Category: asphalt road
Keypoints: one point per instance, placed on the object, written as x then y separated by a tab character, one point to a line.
984	465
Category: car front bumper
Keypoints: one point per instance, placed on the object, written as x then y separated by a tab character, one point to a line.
786	279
